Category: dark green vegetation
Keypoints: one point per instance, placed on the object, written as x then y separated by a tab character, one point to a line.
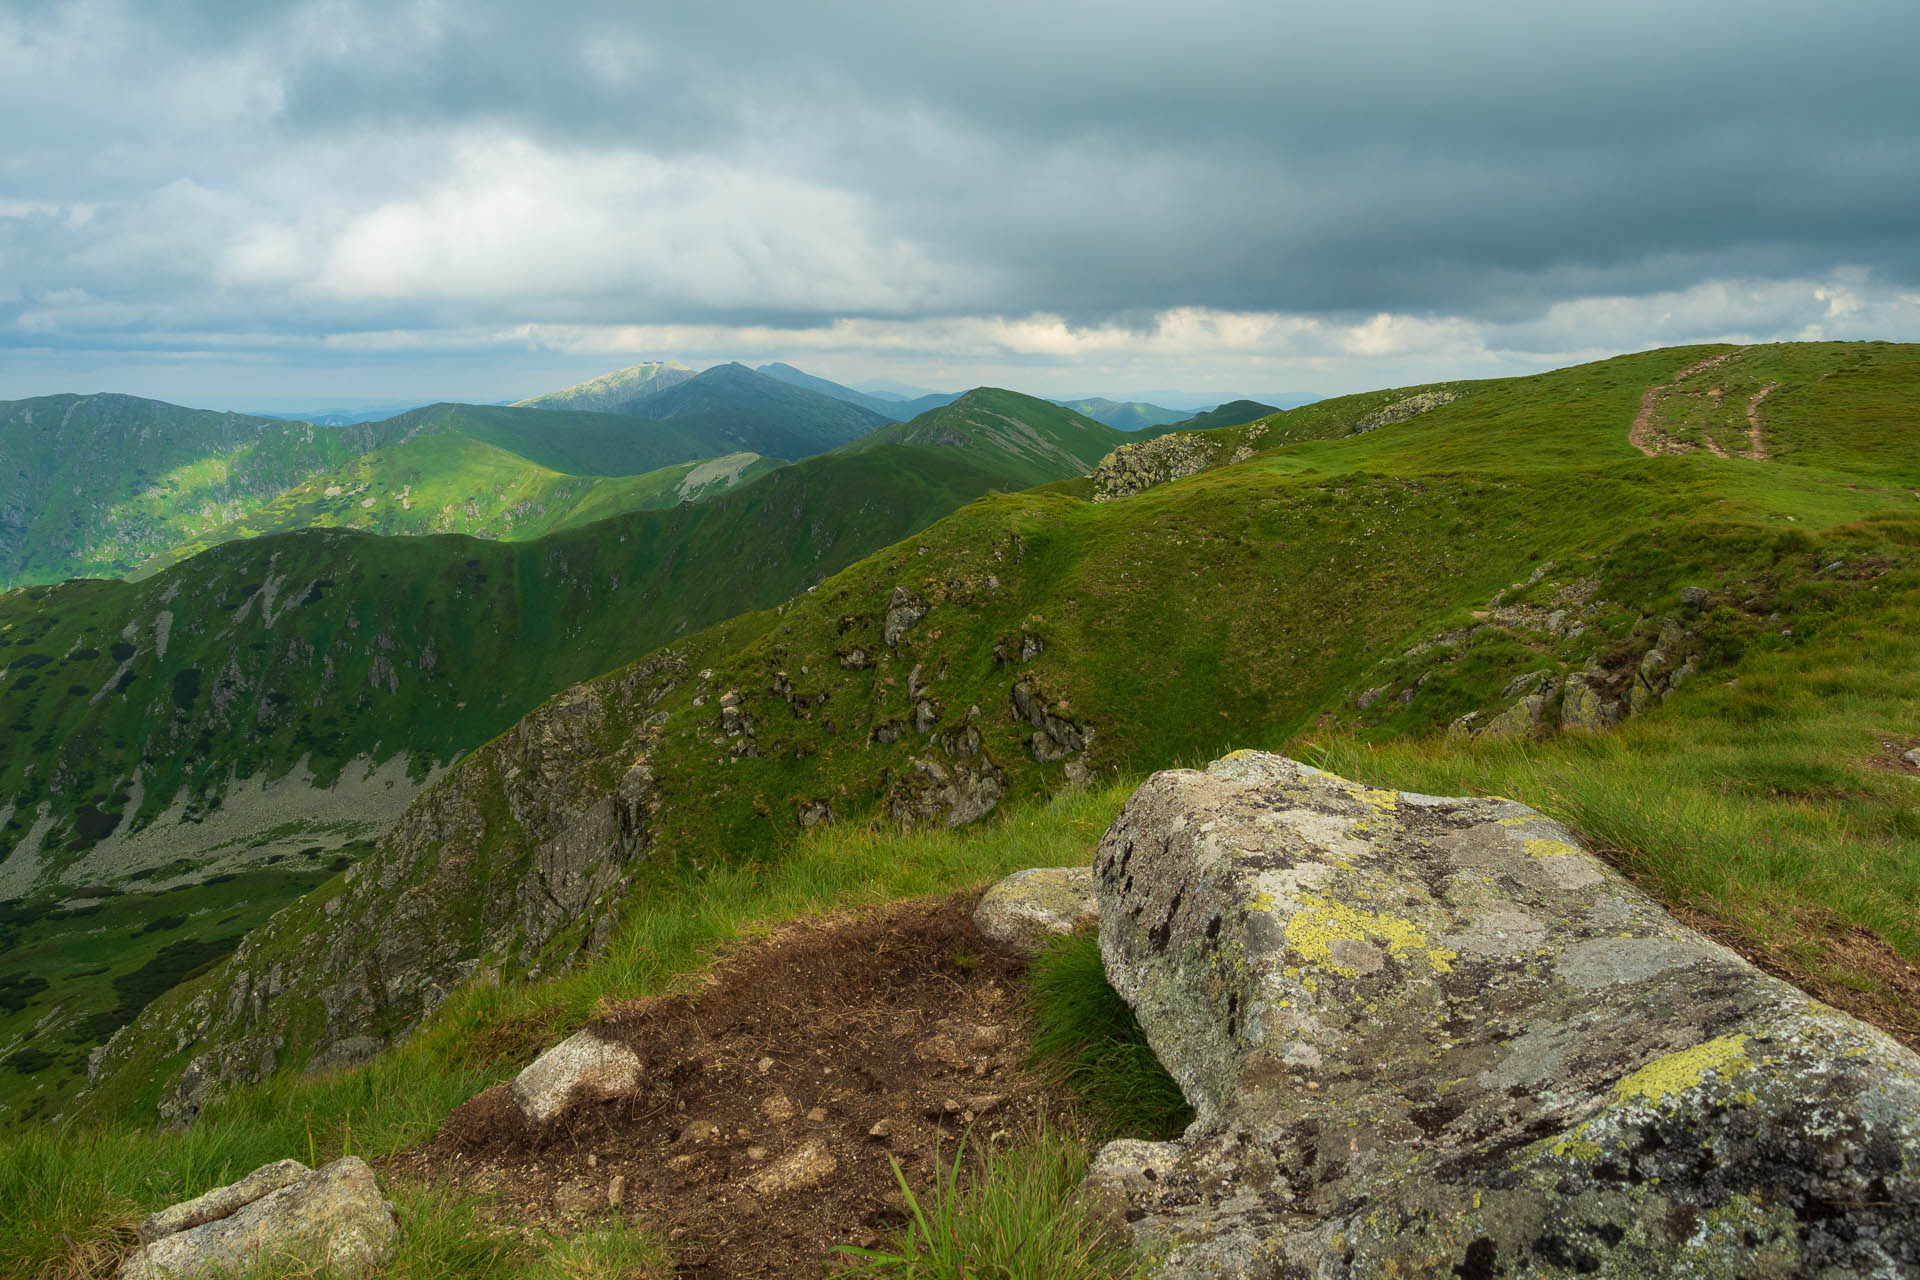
1250	605
1030	441
103	956
1232	414
1090	1041
454	480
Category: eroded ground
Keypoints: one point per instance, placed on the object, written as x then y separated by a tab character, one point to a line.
759	1138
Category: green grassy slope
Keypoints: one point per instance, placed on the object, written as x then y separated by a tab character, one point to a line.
1032	440
311	651
610	391
93	485
451	482
1031	636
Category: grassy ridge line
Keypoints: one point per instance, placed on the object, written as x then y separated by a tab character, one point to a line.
1242	606
93	485
1032	442
454	483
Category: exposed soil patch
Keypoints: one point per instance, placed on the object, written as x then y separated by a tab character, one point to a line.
1756	427
1642	434
770	1101
1849	957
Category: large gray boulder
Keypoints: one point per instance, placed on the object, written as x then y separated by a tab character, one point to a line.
281	1216
1435	1037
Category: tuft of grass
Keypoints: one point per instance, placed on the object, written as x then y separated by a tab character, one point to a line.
1089	1039
1006	1212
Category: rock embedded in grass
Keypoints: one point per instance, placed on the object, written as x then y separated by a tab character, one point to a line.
1025	912
280	1216
1430	1036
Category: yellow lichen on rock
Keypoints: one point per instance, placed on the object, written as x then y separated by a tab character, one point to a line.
1678	1072
1549	849
1320	923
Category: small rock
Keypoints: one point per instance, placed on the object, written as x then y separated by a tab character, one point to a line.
583	1062
334	1220
617	1191
1694	599
778	1108
881	1129
763	1066
807	1165
817	1114
988	1038
756	1154
1024	912
1913	757
700	1131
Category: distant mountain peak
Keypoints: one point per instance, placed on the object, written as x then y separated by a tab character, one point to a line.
612	390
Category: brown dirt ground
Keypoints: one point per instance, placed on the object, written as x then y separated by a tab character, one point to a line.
778	1070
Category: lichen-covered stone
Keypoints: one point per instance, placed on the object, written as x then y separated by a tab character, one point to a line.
221	1201
1435	1037
582	1063
1029	909
333	1221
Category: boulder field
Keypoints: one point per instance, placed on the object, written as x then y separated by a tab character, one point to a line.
1428	1036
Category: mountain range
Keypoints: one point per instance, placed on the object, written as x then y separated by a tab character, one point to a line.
1576	580
306	838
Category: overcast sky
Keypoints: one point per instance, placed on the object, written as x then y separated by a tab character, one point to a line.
246	204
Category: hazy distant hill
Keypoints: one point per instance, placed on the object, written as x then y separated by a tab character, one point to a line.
1131	415
732	407
887	407
610	391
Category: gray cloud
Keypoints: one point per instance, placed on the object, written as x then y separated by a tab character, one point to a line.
273	174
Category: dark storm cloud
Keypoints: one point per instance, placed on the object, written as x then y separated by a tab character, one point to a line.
233	168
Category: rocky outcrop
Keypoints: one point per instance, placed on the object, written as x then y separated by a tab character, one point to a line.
281	1216
1403	410
1135	468
511	862
1025	912
1436	1037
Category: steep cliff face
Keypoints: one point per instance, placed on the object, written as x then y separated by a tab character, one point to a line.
516	859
